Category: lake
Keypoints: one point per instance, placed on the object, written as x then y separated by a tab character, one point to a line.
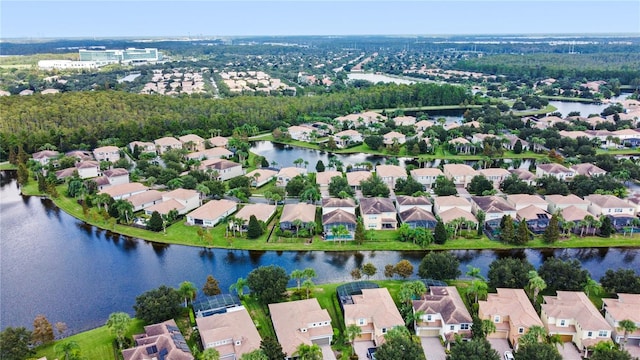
56	265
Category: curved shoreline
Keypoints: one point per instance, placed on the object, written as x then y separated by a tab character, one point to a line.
177	231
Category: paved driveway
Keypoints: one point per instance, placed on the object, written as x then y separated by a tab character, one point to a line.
569	351
634	350
433	349
361	348
500	345
327	353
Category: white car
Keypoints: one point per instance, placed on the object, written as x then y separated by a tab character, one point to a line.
508	355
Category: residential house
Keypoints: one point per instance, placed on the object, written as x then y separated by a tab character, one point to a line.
426	176
494	208
116	176
511	140
619	211
393	137
404	120
634	199
560	202
460	174
262	212
231	333
521	201
354	178
211	213
181	200
225	169
347	137
335	219
629	137
300	322
378	213
404	203
625	307
145	199
192	142
213	153
167	143
324	178
123	191
461	145
524	175
572	316
587	169
556	170
537	219
417	217
495	175
511	313
454	214
143	147
260	177
575	214
65	173
218	141
80	155
390	174
286	174
444	203
88	169
107	153
423	125
159	341
361	119
45	156
444	314
374	312
331	204
306	213
301	133
479	138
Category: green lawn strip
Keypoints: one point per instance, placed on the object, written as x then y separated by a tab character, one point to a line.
5	165
625	151
258	314
268	187
547	109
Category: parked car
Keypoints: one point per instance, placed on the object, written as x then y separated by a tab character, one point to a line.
371	353
508	355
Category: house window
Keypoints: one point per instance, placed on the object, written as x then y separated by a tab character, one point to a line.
603	333
429	317
384	330
496	319
464	326
563	323
618	210
590	333
521	330
452	327
361	321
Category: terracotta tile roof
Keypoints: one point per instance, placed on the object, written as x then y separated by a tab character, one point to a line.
116	172
515	199
587	169
219	141
87	164
324	178
235	324
347	133
167	141
182	194
104	149
426	172
302	211
456	213
376	205
459	169
624	307
575	214
446	301
212	210
451	200
416	214
523	174
263	174
164	335
123	189
607	201
289	318
145	197
554	168
391	171
164	207
262	212
570	199
338	216
337	202
494	172
575	305
191	137
289	172
393	135
412	200
355	177
375	304
532	212
459	140
219	164
45	154
492	204
513	303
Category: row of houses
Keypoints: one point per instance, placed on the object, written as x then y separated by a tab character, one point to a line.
190	142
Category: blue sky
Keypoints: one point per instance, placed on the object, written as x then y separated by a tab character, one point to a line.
92	18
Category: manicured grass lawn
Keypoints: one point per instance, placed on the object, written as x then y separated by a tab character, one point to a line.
625	151
268	187
7	166
547	109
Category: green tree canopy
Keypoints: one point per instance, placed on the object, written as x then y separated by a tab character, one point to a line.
479	185
509	273
254	229
563	275
155	223
268	283
272	349
476	349
15	343
538	351
158	305
338	184
621	281
444	186
211	286
439	265
374	186
399	344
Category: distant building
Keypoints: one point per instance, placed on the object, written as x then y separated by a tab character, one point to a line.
127	56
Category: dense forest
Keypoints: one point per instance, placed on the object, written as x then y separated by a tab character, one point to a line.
622	66
81	119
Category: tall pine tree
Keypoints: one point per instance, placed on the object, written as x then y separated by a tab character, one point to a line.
507	231
254	229
440	235
552	233
522	237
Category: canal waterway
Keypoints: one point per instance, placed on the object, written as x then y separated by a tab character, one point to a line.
56	265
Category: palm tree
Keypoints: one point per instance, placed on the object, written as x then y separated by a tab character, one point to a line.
536	333
297	275
474	272
310	194
591	286
68	349
118	323
488	326
297	223
352	332
188	291
210	354
238	286
479	288
335	232
125	210
628	326
583	224
567	226
536	284
589	221
308	285
203	190
308	352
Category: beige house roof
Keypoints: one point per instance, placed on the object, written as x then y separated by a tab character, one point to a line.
376	205
494	172
235	324
104	149
423	124
167	141
87	164
262	212
393	135
446	301
145	197
164	207
451	200
116	172
338	216
575	214
122	189
216	152
289	172
492	204
337	202
459	140
292	323
416	214
587	169
526	199
624	307
191	137
404	120
531	212
523	174
263	174
160	335
391	171
426	172
456	213
607	201
347	133
324	178
219	164
355	177
218	141
513	303
182	194
575	305
212	210
302	211
570	199
412	200
554	168
377	305
459	169
44	154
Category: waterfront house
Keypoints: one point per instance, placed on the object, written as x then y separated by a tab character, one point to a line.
521	201
306	213
45	156
374	312
262	212
511	313
417	217
336	218
394	137
159	341
404	203
426	176
378	213
444	203
588	169
211	213
560	202
124	191
347	137
619	211
181	200
460	174
331	204
300	133
87	169
556	170
524	175
461	145
354	178
167	143
537	219
213	153
495	175
361	119
390	174
443	314
232	333
225	169
301	322
494	208
107	153
423	125
404	120
218	141
625	307
260	177
145	199
286	174
324	178
192	142
143	147
116	176
572	316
